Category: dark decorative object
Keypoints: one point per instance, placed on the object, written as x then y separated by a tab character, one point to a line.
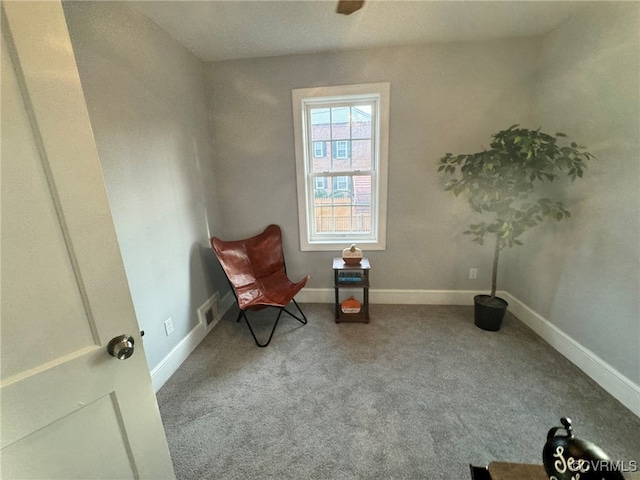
479	473
505	184
566	457
488	312
347	7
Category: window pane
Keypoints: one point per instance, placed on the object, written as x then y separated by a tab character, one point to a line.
320	123
341	165
361	154
341	138
361	121
362	193
320	157
343	205
341	123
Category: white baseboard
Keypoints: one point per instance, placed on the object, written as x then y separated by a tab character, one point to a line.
395	297
605	375
423	297
619	386
178	354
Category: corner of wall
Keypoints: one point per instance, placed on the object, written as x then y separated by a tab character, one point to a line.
178	354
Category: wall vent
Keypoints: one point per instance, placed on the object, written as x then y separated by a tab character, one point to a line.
209	312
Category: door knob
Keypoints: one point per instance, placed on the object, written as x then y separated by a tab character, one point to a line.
121	347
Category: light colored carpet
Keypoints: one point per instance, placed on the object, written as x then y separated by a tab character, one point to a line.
419	392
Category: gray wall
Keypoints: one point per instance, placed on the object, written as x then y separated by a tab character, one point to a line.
170	187
584	275
443	98
582	79
146	100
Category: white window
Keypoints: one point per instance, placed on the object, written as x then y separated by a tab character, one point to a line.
342	149
341	184
352	203
319	149
321	183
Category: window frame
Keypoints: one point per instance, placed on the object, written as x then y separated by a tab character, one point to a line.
379	95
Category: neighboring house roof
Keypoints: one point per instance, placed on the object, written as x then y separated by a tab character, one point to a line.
320	116
362	190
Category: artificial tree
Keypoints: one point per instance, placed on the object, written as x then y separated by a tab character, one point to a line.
504	182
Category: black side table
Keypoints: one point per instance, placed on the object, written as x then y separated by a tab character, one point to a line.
352	277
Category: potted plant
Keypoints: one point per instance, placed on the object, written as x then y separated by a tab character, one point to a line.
504	182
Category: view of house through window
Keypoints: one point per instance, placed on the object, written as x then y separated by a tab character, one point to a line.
343	201
341	172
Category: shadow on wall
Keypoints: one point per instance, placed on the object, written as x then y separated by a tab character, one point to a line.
206	277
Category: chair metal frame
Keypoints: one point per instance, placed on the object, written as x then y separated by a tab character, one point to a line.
271	232
243	314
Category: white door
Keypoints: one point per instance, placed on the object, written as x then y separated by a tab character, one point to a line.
68	408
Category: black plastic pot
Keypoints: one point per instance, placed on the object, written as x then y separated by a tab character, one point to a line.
489	312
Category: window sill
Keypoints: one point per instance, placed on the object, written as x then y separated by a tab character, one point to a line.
340	245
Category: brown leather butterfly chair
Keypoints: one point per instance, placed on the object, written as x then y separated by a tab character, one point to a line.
256	271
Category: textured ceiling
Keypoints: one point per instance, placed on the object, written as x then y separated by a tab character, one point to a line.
221	30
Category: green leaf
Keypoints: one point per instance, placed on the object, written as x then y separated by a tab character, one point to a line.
502	181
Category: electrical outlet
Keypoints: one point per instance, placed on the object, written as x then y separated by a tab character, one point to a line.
473	273
168	326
